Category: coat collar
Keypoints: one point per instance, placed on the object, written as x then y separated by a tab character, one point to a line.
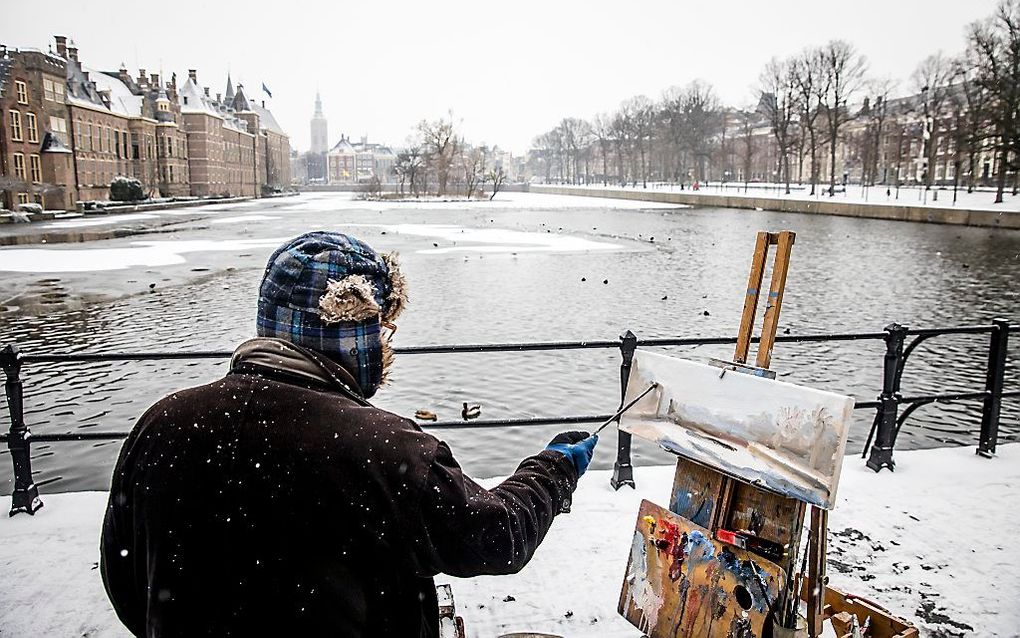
278	357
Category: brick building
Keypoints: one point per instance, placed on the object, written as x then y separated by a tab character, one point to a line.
124	126
223	153
67	130
36	165
273	143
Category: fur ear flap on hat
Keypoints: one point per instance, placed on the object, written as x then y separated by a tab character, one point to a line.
349	299
397	298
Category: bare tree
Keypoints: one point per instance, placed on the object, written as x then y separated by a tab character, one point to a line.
748	149
601	129
621	140
408	167
778	96
995	46
497	176
641	119
878	114
701	116
440	140
810	80
844	70
473	163
932	79
970	105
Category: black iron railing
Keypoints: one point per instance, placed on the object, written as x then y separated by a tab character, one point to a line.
885	427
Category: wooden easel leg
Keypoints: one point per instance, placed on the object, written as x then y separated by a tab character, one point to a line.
816	570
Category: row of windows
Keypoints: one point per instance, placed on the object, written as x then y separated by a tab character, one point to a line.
53	90
35	165
30	123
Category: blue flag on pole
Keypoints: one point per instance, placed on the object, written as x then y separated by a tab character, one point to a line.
266	89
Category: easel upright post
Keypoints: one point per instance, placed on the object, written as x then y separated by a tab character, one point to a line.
623	471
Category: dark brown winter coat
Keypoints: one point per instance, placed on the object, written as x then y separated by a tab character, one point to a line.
272	503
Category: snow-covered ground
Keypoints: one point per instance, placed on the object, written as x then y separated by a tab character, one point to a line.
934	542
854	194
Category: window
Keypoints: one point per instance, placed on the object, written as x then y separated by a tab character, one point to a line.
78	143
33	127
58	126
16	126
58	91
22	198
88	137
19	165
48	89
22	89
116	143
36	165
134	146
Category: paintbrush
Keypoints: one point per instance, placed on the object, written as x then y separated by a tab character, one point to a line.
620	412
566	503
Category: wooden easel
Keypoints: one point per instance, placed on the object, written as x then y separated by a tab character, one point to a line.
723	503
744	520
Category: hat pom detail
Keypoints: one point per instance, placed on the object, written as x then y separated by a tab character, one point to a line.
351	299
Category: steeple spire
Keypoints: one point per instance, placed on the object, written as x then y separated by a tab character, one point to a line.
318	105
228	96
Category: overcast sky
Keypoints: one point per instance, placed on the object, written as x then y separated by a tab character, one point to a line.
507	70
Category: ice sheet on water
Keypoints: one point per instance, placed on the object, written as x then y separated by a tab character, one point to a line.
244	218
497	240
141	253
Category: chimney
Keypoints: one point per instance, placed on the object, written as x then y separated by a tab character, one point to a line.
154	79
72	53
219	97
141	77
206	89
123	75
193	75
61	45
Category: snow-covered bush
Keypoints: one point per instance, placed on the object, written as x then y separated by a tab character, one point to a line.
126	189
30	208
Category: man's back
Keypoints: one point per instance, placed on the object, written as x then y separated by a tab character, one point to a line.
267	505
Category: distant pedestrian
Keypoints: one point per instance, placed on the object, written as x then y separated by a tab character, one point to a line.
277	501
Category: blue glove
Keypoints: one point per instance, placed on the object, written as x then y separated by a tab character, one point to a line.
579	447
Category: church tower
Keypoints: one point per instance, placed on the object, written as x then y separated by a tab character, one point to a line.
320	129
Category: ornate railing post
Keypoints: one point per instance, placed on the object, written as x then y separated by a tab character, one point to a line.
885	435
623	471
993	386
25	497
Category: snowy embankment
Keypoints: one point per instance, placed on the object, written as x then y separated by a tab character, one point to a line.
940	197
934	542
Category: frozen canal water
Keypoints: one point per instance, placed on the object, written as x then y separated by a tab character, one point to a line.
525	267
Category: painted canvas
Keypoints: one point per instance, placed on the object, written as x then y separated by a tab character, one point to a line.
783	437
680	582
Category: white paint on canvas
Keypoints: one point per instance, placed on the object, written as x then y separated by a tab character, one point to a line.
781	436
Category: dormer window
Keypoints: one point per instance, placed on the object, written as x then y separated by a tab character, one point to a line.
185	100
164	106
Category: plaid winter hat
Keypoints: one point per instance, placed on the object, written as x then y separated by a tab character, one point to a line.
330	292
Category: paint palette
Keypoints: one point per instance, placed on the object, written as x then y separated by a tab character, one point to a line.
682	582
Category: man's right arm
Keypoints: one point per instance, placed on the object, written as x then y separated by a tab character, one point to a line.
471	531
